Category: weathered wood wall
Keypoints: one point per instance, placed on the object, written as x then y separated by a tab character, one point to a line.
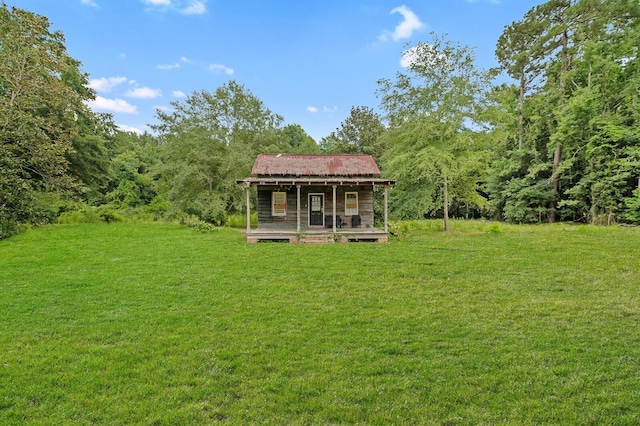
365	204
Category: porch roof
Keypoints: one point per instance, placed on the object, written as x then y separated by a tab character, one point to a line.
275	180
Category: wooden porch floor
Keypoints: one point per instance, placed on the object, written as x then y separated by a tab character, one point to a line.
316	235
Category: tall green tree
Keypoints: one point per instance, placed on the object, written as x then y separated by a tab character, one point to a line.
518	187
209	141
360	133
296	141
89	160
431	110
40	99
134	169
573	60
513	52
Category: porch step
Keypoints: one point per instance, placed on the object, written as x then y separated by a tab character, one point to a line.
317	239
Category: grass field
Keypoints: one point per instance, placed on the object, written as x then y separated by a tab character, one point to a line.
159	324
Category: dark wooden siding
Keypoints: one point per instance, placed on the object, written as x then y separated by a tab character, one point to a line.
365	204
264	206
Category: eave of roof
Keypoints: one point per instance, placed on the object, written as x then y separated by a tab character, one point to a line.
282	180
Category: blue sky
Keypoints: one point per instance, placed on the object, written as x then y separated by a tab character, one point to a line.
307	60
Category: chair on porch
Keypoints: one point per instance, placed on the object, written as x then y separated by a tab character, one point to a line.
356	221
328	221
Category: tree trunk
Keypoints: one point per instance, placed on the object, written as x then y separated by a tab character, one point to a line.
557	156
446	204
521	112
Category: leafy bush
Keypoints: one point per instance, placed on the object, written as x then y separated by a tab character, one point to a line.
85	214
9	228
106	213
126	194
204	227
633	203
494	228
196	223
402	229
158	206
109	215
240	221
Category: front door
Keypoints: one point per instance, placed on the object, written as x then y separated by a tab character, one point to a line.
316	209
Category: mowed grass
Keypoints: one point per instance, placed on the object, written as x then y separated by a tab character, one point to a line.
159	324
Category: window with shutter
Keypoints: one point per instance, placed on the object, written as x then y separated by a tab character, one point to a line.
350	203
278	203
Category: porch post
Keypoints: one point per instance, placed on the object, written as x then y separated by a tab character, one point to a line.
298	206
248	187
386	209
334	209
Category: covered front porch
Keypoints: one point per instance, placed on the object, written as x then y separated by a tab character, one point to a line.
310	210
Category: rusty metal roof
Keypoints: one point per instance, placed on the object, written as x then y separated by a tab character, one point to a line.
314	165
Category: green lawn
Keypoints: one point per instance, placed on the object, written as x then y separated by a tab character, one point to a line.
159	324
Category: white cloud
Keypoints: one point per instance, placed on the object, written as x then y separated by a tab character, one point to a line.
325	109
89	3
219	68
112	105
408	57
157	2
195	7
169	66
425	52
178	94
131	129
104	85
175	64
144	93
162	108
187	7
405	29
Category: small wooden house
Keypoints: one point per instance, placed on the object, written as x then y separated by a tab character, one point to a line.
305	198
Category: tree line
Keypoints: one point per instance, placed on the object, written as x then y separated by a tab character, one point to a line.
550	135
